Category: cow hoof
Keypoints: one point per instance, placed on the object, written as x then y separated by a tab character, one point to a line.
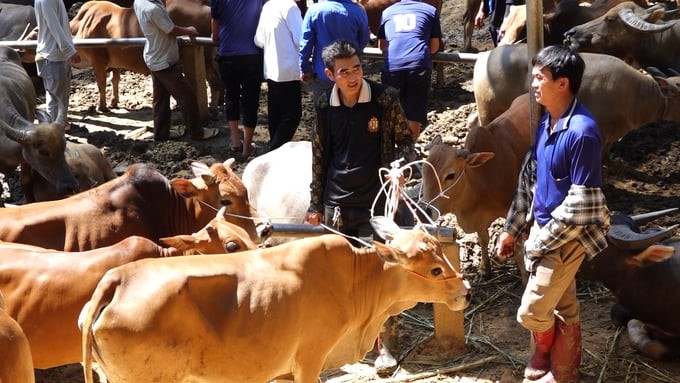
385	364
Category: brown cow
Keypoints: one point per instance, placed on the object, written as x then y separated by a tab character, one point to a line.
140	202
46	289
477	183
15	361
103	19
87	163
257	315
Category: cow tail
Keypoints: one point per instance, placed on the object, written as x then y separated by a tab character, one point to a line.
101	297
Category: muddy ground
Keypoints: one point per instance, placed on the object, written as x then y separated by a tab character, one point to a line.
644	175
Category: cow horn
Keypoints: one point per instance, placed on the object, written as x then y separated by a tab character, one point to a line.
638	23
626	238
642	219
22	136
62	115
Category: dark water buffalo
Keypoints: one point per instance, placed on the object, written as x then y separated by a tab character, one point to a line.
644	275
39	147
567	14
619	97
632	33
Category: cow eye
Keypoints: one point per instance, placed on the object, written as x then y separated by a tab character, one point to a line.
231	246
43	151
450	176
437	271
225	202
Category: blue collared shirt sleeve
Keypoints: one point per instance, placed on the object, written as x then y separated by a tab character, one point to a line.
307	41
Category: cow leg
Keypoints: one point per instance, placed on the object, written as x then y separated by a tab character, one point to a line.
484	271
115	80
100	77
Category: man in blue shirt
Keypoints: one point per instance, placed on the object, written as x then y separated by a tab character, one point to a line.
324	23
409	33
569	215
233	28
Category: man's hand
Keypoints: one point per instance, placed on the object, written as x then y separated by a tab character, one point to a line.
75	59
191	31
314	218
506	246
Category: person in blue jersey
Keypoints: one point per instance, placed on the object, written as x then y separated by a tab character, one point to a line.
409	33
278	34
559	199
240	61
324	23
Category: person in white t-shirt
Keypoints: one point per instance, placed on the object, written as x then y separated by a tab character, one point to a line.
278	34
54	53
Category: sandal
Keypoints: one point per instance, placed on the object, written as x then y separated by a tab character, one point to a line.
208	133
236	149
173	134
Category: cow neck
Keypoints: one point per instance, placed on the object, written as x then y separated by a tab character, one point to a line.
187	215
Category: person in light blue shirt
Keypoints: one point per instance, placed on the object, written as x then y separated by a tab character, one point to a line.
324	23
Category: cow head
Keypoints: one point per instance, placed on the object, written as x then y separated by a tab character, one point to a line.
444	173
422	255
618	32
218	186
42	148
217	237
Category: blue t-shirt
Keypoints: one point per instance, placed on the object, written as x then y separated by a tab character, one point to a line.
571	155
238	22
408	26
325	22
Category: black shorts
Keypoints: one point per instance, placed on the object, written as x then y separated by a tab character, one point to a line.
414	90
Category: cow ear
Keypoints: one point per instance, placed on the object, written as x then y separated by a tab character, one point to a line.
385	227
184	187
474	160
652	255
179	242
387	253
199	168
437	140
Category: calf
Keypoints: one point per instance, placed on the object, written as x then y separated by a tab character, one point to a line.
88	165
254	316
46	289
15	363
477	183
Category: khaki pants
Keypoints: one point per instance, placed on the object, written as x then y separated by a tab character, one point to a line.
551	290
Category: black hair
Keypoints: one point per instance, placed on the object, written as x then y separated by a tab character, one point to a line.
338	49
561	62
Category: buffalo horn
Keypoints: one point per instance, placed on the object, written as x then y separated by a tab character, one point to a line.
642	219
22	136
636	22
62	115
625	238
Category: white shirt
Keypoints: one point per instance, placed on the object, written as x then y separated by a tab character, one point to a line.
161	50
278	34
55	42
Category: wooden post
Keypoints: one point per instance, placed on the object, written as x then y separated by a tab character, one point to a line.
448	325
194	69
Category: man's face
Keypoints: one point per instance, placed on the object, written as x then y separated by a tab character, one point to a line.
347	75
545	87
